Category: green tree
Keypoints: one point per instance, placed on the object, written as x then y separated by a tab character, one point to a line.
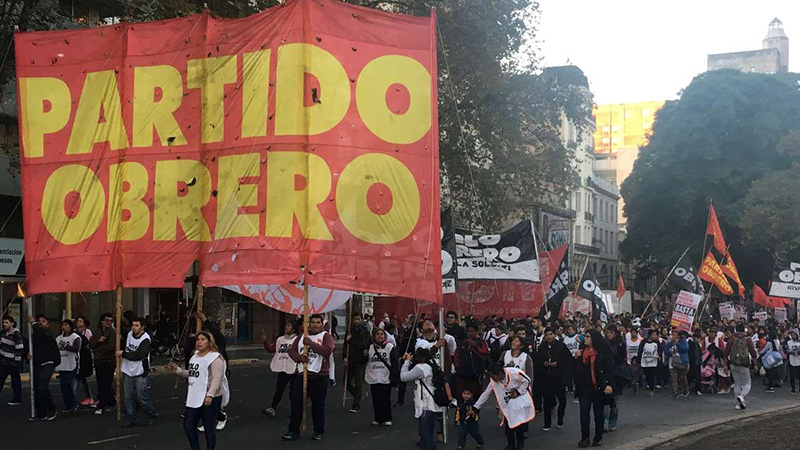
721	136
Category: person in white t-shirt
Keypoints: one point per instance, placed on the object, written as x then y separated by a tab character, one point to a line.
381	368
281	363
793	351
425	408
69	346
208	390
135	368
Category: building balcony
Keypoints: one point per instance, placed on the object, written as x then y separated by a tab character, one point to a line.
587	249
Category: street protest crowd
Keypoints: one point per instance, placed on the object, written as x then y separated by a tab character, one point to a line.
514	368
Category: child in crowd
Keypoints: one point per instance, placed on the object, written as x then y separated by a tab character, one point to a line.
636	373
467	418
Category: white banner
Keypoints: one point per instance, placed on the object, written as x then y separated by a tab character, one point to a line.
786	279
760	315
684	310
780	314
11	254
727	310
289	297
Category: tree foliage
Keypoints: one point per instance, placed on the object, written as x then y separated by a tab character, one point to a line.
727	131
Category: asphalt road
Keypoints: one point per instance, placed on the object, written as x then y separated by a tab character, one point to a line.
252	387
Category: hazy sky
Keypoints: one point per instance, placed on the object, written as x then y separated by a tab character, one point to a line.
636	50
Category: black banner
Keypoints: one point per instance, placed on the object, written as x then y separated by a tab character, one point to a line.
558	290
508	256
590	290
449	267
684	276
785	279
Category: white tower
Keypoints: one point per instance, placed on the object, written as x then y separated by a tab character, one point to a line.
776	38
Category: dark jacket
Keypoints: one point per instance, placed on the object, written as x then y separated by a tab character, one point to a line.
603	368
360	340
556	352
471	358
618	350
45	349
467	412
695	354
103	352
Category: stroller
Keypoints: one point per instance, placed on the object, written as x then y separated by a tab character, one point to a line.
708	371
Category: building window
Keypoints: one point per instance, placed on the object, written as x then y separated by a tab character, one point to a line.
577	202
577	234
605	141
615	129
606	129
615	141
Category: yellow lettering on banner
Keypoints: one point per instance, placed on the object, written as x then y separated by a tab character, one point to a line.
36	120
149	113
232	195
351	199
255	93
291	116
63	181
121	199
183	187
285	202
210	75
373	82
99	94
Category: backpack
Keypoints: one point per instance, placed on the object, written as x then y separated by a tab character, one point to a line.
739	354
441	389
675	358
773	358
494	348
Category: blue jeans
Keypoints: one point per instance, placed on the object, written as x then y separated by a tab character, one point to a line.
12	370
136	390
471	428
208	414
67	380
427	430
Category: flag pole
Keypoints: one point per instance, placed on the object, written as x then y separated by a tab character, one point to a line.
580	280
29	303
305	350
705	237
441	365
117	333
664	282
347	352
199	299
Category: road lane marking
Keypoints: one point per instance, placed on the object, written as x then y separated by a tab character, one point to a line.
118	438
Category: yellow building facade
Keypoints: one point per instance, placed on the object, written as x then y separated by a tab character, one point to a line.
623	125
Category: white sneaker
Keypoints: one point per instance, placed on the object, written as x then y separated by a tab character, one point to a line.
201	428
387	424
375	422
221	424
269	412
13	403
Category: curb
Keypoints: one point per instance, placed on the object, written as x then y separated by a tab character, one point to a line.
672	435
164	370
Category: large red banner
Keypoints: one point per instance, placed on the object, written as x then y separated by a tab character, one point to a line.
299	140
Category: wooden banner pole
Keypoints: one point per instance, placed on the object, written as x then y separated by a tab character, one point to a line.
68	305
29	303
305	352
199	297
118	344
347	350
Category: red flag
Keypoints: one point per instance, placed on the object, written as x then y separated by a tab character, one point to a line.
621	288
713	229
761	298
729	269
712	272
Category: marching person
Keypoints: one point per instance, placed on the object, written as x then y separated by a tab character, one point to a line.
467	420
45	358
11	350
594	380
208	390
677	351
135	368
380	372
425	408
69	347
650	354
573	343
741	355
320	346
87	364
102	345
356	350
516	357
551	362
618	347
281	363
510	387
469	361
793	353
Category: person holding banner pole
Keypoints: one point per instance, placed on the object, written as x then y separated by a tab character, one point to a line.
29	303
